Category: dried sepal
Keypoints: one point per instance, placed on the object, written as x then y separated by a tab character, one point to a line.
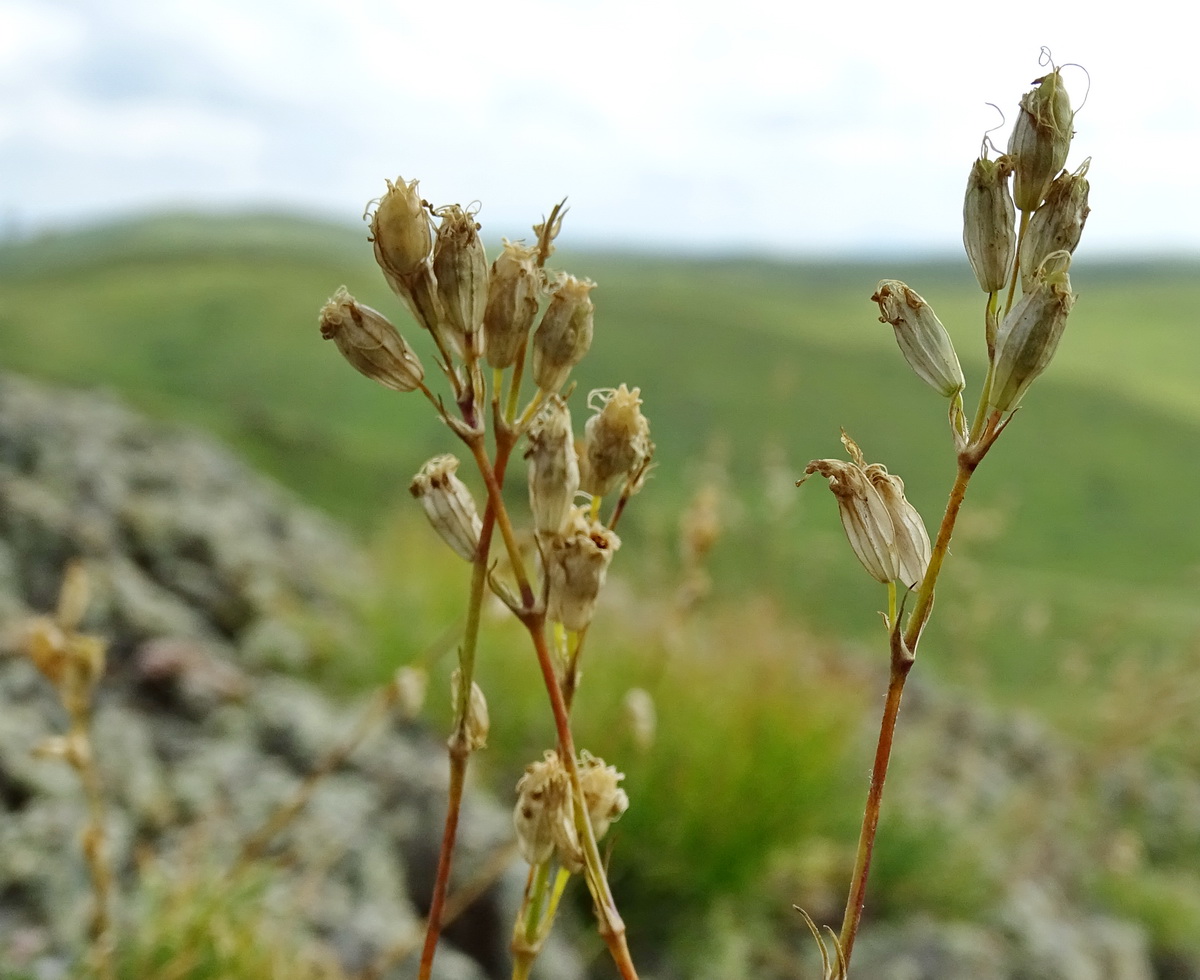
544	815
616	440
448	504
864	515
461	271
370	343
565	333
912	540
923	340
474	713
1040	140
1058	224
553	468
513	290
603	797
576	565
1029	335
989	223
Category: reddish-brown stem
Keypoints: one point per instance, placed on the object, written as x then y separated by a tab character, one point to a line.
612	928
903	655
501	515
902	661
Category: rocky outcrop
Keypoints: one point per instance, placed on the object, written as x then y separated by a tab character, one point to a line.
204	577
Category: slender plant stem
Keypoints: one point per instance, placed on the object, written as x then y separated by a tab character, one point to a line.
514	391
612	928
866	840
95	848
496	506
458	743
903	655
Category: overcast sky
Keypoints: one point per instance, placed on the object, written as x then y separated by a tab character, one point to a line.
764	125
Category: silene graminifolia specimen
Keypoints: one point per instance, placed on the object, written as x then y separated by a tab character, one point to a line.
1031	252
483	324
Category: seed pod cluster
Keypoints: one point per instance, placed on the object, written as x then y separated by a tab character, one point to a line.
615	453
544	818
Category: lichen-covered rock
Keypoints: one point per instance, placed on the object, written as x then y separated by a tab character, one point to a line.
204	576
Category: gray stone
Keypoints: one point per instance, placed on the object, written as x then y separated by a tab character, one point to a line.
198	568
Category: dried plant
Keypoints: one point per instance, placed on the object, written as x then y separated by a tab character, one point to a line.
1021	336
73	662
478	317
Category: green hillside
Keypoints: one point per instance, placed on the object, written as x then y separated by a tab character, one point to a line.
1073	582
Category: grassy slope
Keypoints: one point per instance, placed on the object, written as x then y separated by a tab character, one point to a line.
747	368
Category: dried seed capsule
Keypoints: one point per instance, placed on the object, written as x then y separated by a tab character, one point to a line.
1029	335
448	505
543	802
400	229
1040	140
1058	224
912	540
865	516
553	468
475	721
461	271
989	223
565	333
577	564
604	799
922	338
370	343
512	303
616	440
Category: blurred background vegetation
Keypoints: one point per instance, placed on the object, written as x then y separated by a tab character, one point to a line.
1071	594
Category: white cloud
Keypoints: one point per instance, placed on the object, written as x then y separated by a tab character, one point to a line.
862	117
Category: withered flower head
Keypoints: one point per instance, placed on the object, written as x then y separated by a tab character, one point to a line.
542	817
1040	140
461	270
989	223
922	338
912	540
565	333
865	517
512	304
370	343
1058	224
577	564
400	230
604	798
448	504
616	440
553	468
1029	335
